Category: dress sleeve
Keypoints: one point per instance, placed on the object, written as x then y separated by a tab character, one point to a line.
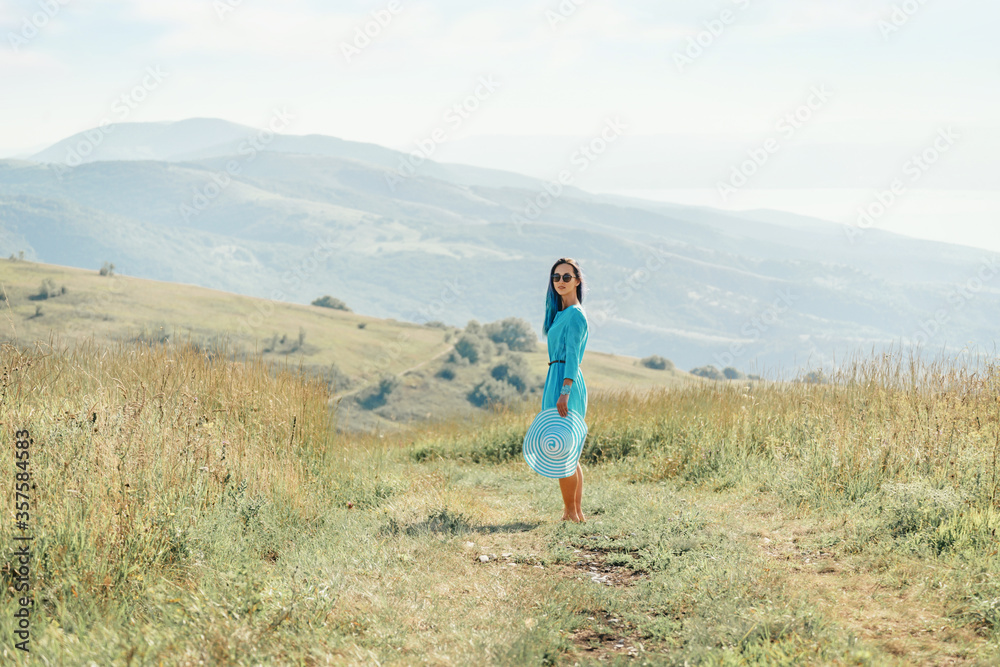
576	342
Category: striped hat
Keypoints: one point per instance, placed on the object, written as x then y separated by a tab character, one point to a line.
553	443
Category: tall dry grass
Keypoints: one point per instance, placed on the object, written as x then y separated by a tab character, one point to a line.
149	462
889	418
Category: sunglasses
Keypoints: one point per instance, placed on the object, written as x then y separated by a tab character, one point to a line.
567	277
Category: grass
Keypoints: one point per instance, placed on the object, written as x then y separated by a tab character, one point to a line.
188	509
335	347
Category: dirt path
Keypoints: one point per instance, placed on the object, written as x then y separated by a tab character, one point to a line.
440	354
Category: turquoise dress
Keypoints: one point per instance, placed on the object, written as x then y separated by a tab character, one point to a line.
567	339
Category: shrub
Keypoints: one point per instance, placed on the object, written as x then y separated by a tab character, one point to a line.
446	373
710	372
327	301
733	374
911	507
515	332
658	363
471	347
107	269
362	325
436	324
376	395
814	377
492	392
514	371
47	290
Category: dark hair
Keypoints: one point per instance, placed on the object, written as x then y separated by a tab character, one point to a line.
553	304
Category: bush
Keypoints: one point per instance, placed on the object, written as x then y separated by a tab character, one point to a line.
446	373
471	347
362	325
327	301
814	377
376	396
709	372
915	506
492	392
514	371
107	269
733	374
515	332
658	363
47	290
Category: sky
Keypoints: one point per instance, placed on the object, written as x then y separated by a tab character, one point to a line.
859	84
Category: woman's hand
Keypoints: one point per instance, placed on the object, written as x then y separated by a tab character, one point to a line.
562	405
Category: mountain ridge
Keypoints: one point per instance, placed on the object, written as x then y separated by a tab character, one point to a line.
715	272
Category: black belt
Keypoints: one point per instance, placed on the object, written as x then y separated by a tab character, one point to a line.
557	361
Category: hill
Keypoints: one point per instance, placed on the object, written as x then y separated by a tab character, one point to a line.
311	215
185	509
351	351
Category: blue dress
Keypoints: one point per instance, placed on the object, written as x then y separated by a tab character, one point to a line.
567	339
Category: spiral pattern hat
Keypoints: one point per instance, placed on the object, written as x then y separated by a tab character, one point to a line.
553	443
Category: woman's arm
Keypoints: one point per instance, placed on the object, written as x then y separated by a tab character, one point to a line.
576	340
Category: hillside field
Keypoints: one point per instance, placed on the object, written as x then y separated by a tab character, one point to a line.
186	509
119	308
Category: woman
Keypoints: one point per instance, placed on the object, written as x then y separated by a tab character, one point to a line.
566	328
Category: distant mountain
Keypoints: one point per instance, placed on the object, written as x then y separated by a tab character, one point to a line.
316	215
200	138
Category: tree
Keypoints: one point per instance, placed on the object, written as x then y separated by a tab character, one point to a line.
708	372
107	269
515	332
376	395
327	301
733	374
514	371
657	362
46	290
471	347
492	392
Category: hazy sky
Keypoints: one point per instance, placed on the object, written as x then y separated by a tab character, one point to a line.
893	72
236	59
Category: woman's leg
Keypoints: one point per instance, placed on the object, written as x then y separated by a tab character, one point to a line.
579	493
568	487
